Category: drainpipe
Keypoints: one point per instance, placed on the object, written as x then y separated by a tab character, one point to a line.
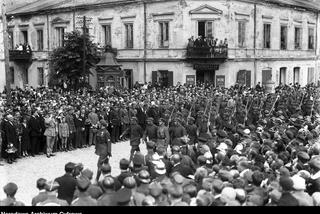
145	41
255	44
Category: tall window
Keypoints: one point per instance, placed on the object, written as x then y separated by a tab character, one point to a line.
267	35
25	36
40	39
11	44
40	76
60	36
283	37
26	75
107	34
296	75
283	75
129	35
205	29
164	34
310	75
241	33
11	75
311	38
297	37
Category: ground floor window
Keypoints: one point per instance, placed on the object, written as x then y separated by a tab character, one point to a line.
282	76
296	75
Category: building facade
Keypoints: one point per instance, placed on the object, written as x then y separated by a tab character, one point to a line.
271	42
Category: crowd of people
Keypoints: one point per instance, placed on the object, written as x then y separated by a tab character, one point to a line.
206	46
206	146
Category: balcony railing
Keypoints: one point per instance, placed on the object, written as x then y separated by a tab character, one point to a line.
207	53
20	55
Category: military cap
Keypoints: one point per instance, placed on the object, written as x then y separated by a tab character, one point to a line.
10	188
108	183
123	196
83	183
105	168
52	186
124	163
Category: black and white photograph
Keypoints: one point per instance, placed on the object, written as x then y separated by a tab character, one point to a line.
159	103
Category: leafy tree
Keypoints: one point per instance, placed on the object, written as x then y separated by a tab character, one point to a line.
66	62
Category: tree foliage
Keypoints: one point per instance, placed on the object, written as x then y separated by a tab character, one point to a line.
66	62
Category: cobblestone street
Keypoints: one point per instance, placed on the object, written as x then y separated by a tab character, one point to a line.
26	171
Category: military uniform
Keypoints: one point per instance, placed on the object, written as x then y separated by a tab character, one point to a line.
103	146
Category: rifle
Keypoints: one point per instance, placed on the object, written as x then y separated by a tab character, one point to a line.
171	114
271	110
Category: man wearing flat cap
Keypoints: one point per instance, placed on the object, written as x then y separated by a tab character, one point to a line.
103	146
84	198
51	188
10	190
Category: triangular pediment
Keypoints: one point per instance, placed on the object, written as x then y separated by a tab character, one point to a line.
59	20
205	9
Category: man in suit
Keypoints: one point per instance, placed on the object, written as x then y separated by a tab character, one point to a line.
11	133
35	132
10	190
67	183
107	199
42	146
43	195
184	170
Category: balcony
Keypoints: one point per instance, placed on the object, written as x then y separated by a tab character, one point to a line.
20	55
207	53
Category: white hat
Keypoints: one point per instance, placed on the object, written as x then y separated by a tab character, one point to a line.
246	131
298	182
160	167
222	147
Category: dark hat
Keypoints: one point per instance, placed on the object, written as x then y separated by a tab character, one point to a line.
303	155
144	176
10	188
315	162
69	166
83	183
162	120
129	182
87	173
286	183
124	163
105	168
138	159
150	144
202	140
103	123
123	196
222	133
108	182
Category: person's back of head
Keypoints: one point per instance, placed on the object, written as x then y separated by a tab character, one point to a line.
175	191
108	183
191	190
41	183
83	184
124	164
105	169
175	158
257	178
69	167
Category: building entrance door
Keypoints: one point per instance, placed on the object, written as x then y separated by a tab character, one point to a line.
205	76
